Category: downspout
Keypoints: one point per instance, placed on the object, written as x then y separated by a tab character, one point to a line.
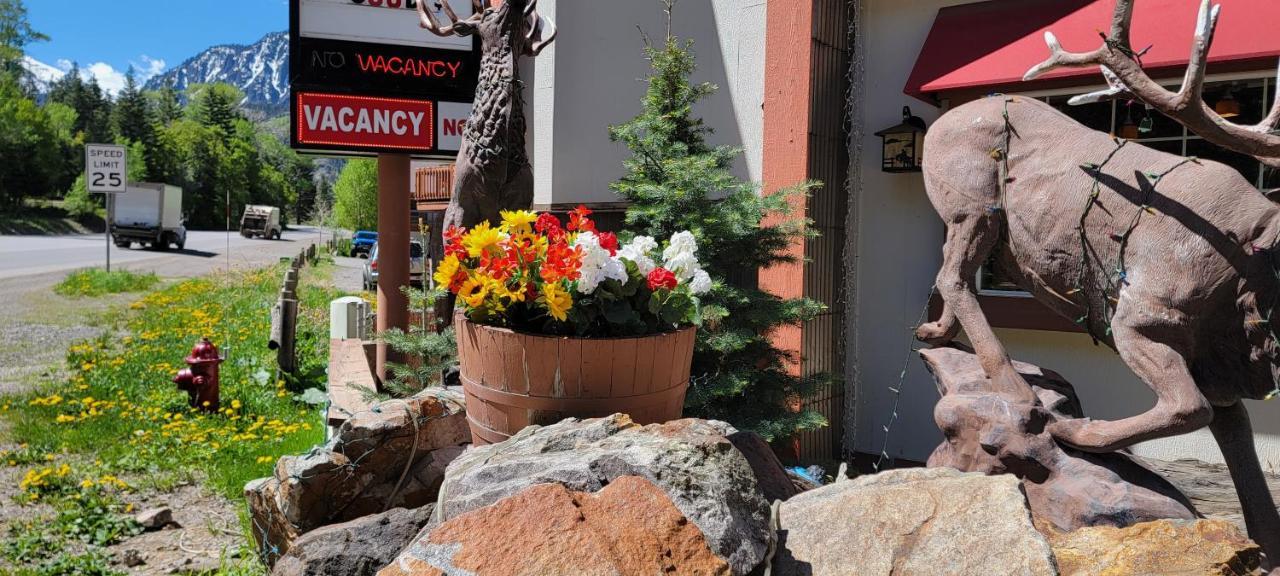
855	110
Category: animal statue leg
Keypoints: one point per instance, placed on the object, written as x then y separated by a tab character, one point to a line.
518	194
1234	434
1180	406
941	331
970	239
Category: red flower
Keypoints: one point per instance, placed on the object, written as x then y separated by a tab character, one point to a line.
549	226
662	278
562	262
609	241
453	243
579	222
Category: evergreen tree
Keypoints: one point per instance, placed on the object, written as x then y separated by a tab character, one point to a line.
132	115
676	181
215	105
430	350
165	105
15	34
93	108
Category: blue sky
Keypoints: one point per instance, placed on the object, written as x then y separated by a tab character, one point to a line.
152	35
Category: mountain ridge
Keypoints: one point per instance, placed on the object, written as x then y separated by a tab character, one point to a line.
260	70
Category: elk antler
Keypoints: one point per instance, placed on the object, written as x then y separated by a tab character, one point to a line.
456	27
542	30
1122	67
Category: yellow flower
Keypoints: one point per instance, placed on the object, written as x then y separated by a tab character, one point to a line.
235	404
518	221
86	483
447	269
474	291
480	239
63	419
557	300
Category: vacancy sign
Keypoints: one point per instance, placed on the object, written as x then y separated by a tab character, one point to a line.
105	168
342	122
453	121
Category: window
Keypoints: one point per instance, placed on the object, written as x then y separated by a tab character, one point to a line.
1252	98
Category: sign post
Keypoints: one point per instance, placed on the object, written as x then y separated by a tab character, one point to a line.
105	172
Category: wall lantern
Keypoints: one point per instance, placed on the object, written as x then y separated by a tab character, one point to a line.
904	144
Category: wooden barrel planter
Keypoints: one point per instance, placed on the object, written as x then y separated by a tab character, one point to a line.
513	380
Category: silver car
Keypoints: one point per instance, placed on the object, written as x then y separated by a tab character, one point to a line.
417	266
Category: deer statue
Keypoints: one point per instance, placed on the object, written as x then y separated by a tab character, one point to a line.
492	170
1172	262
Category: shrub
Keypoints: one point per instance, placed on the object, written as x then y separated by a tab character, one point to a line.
98	282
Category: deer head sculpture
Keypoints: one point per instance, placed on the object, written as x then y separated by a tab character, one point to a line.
1172	262
492	170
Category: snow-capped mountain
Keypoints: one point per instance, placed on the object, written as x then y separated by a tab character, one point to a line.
261	70
42	75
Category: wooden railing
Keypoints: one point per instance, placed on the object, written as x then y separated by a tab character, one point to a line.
433	183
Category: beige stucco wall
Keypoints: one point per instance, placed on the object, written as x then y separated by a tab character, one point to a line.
592	77
899	249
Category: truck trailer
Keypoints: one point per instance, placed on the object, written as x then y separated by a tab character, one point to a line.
149	214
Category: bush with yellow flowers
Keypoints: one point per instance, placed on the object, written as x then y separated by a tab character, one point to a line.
534	274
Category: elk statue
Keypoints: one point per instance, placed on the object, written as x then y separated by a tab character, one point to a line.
492	170
1172	262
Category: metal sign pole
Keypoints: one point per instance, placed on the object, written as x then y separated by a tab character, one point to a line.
110	218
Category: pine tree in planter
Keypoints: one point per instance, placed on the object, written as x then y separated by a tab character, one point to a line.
676	181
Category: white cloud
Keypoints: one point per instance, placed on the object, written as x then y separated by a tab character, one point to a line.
109	78
148	68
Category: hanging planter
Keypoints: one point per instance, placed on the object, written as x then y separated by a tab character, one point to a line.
564	322
513	380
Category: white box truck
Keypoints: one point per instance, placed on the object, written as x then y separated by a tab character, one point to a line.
149	214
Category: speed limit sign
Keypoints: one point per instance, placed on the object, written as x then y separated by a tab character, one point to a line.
104	168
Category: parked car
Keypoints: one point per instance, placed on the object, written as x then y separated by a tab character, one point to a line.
362	243
417	265
149	214
261	221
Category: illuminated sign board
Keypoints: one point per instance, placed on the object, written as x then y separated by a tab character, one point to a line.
366	78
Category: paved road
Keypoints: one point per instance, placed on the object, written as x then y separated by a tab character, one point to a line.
205	251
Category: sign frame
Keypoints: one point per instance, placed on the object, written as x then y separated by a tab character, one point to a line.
306	79
99	179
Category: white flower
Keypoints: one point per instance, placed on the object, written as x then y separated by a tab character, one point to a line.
701	283
681	256
597	264
638	251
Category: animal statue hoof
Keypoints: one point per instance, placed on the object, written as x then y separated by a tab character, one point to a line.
935	334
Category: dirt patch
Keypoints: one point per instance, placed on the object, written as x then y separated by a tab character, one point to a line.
206	535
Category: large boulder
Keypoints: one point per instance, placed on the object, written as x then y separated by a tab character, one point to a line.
916	522
1161	548
691	461
355	548
629	527
392	456
993	430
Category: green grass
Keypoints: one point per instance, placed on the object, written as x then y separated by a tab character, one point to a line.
48	217
91	282
120	407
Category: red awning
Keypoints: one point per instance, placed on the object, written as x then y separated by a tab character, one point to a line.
990	45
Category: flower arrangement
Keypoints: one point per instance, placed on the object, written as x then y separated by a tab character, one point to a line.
533	274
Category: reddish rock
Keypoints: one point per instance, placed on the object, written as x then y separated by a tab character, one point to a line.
629	527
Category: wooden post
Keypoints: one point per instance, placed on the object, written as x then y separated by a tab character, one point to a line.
393	251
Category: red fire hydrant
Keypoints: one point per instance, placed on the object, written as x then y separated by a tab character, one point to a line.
200	379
